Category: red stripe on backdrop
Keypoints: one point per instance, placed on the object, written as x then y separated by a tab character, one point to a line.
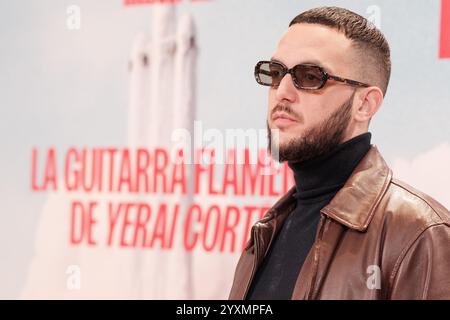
444	41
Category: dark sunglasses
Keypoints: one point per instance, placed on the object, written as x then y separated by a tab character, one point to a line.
304	76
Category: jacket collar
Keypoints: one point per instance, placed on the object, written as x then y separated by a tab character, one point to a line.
355	203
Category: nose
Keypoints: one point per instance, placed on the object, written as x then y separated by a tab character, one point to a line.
286	90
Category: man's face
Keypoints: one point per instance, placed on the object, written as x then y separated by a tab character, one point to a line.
312	121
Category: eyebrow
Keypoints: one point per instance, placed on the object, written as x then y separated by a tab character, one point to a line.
309	61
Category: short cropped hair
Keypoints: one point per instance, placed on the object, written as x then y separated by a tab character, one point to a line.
371	48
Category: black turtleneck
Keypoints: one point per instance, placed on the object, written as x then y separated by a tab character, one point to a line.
317	181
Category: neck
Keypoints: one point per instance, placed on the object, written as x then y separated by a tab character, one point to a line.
327	174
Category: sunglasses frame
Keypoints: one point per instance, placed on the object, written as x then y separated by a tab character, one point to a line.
325	76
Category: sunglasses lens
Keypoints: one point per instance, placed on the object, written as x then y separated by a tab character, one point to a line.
309	77
269	73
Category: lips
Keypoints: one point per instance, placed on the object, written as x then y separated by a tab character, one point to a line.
282	120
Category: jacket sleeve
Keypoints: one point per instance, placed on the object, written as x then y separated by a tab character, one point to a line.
424	270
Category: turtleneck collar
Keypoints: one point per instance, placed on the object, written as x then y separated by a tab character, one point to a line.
326	174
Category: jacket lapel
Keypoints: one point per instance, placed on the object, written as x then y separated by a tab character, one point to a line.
261	237
355	204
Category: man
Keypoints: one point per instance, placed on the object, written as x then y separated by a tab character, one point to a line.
348	229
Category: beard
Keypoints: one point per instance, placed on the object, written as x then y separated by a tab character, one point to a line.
316	141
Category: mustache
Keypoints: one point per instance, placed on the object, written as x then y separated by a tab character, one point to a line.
285	108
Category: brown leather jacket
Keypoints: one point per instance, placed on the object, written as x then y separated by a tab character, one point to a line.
378	238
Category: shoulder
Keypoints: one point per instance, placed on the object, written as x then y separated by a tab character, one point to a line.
415	206
407	217
414	230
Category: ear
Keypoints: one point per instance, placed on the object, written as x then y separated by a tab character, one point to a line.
368	101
